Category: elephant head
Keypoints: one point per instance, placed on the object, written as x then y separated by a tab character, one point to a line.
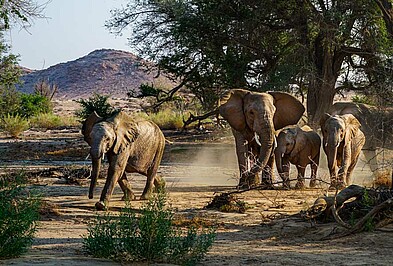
258	115
337	132
286	141
107	135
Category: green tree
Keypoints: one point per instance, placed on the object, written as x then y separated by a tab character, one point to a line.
11	13
316	47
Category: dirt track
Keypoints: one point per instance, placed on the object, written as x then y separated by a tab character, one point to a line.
269	233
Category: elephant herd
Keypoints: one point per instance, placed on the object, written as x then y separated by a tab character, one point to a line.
265	129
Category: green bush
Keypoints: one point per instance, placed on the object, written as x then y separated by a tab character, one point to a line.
14	125
18	215
51	121
150	237
98	103
34	104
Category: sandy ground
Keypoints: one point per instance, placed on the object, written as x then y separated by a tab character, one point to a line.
271	232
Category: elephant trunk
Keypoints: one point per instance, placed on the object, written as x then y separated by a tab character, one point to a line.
279	155
96	166
331	154
267	139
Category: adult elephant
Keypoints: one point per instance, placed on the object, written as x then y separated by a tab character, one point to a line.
299	146
131	146
342	143
376	124
254	118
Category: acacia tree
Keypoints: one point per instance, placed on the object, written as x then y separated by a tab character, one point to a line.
213	45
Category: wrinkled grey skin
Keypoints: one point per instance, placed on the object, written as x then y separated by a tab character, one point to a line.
254	118
130	147
342	143
300	147
376	124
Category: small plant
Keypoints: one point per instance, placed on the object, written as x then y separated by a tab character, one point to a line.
14	125
98	103
150	237
19	213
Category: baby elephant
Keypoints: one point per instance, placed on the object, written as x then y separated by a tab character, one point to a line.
298	146
342	142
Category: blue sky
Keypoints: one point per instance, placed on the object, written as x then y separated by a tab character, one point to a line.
73	28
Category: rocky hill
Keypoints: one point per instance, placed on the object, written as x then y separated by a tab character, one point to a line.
103	71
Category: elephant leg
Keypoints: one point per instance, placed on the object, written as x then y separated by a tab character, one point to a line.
314	168
243	159
126	188
152	176
267	172
300	176
285	173
371	160
117	165
159	184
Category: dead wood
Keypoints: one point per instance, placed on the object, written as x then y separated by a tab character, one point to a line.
370	206
200	118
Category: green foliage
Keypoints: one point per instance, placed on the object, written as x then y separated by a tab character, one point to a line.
51	121
98	103
34	104
14	125
18	215
150	237
363	99
214	45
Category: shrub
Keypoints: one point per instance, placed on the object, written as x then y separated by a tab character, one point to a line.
34	104
14	125
98	103
150	237
18	215
51	121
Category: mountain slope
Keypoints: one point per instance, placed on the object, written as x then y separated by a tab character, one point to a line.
102	71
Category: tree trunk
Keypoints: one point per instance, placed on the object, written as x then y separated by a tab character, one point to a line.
327	60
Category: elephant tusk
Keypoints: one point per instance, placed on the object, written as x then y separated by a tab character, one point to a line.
103	157
87	157
274	143
257	139
282	155
326	144
338	144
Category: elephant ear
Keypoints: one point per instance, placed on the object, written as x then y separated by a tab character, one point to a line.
125	129
352	127
322	122
88	124
289	110
231	109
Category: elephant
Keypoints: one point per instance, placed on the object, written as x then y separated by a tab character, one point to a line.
376	124
131	146
254	118
299	146
342	144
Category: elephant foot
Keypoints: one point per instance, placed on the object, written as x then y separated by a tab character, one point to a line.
299	185
128	197
313	183
100	206
145	196
337	186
